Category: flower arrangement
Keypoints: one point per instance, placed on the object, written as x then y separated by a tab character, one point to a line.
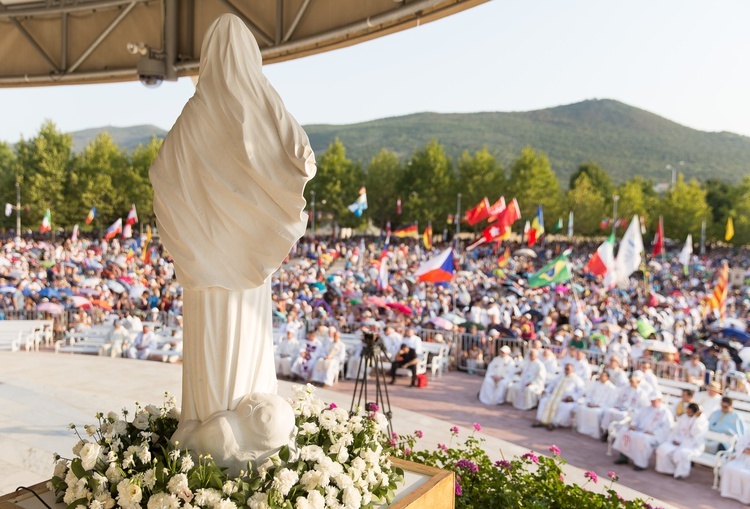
338	462
530	480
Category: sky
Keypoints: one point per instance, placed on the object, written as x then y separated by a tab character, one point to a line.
686	60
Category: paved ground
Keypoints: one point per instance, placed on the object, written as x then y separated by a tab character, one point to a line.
40	393
453	398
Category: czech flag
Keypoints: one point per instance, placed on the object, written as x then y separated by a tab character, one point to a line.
409	231
91	216
439	269
113	230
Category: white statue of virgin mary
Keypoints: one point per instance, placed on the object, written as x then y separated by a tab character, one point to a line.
228	184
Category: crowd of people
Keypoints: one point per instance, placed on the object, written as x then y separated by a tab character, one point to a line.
580	354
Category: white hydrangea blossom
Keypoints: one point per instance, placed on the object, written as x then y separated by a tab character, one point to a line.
284	480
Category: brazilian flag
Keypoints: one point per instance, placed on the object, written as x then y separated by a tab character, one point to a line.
556	271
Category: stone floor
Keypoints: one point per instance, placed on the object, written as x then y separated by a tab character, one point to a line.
41	393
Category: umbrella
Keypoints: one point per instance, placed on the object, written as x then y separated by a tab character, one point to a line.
525	252
655	265
659	346
454	318
89	291
92	264
355	301
561	289
739	335
401	308
103	304
81	302
442	323
377	301
50	307
66	291
613	328
115	286
48	293
90	282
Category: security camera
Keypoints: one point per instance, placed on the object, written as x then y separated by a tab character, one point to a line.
151	72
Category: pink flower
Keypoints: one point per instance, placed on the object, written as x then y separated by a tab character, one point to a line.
332	406
459	491
502	464
372	407
407	451
394	435
419	433
467	465
454	430
531	456
591	476
554	450
612	475
562	478
477	426
442	447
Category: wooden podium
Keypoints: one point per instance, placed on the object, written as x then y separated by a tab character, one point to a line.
424	488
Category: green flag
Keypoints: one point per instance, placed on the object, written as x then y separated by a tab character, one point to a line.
556	271
558	225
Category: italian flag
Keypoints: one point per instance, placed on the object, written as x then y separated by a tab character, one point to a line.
603	260
46	222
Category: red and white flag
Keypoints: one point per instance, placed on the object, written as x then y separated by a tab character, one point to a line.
658	247
132	216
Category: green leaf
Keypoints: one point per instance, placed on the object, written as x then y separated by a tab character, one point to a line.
77	466
284	454
81	501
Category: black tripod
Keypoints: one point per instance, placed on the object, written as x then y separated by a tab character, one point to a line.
371	353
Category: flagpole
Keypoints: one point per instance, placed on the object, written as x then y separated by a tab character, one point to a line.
614	215
458	219
703	238
18	210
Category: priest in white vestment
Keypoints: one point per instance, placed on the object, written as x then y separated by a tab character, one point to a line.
686	441
550	364
525	392
735	474
559	400
501	369
599	396
286	352
648	429
326	367
629	400
617	375
309	350
710	400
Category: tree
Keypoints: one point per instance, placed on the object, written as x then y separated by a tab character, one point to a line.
740	213
42	165
7	183
383	175
533	183
586	203
480	175
636	197
684	208
336	185
135	184
429	187
598	178
720	196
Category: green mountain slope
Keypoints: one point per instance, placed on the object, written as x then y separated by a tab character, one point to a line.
625	140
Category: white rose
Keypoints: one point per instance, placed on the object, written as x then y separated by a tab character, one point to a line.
308	428
311	480
343	455
153	411
343	481
174	413
258	501
352	498
119	427
163	501
129	495
312	453
284	480
316	500
89	454
141	421
229	488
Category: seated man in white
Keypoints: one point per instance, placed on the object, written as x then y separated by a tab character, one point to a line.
686	441
679	407
117	340
629	400
582	366
326	367
649	428
144	342
550	364
617	375
735	474
559	400
392	341
496	380
599	396
286	352
308	352
526	391
710	400
648	375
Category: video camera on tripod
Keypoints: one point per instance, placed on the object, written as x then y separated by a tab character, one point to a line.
374	344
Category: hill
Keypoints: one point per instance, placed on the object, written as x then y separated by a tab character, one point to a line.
126	137
624	140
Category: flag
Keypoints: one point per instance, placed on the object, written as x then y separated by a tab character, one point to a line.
8	209
132	216
603	259
144	249
629	255
659	239
496	209
127	232
556	271
558	226
570	224
730	229
383	271
360	204
526	229
46	222
718	299
510	215
494	231
113	230
74	235
129	255
502	260
604	223
537	226
408	231
398	206
643	225
92	214
438	269
478	213
686	253
427	236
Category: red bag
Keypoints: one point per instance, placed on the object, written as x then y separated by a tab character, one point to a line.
422	380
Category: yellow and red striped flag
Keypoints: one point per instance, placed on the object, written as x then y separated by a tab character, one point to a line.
719	297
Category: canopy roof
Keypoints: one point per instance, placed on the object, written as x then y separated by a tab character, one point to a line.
48	42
